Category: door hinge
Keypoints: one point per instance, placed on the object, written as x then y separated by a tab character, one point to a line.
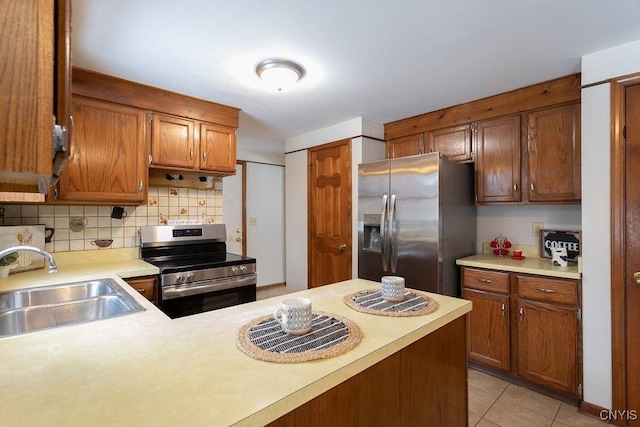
579	314
150	117
579	389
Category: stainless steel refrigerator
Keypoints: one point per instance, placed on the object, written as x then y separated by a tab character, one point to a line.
416	215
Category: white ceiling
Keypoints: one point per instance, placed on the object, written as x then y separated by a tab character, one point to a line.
379	59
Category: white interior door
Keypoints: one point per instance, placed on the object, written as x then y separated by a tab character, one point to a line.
232	210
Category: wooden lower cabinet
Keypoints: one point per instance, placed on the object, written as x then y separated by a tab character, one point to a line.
488	338
424	384
146	285
538	339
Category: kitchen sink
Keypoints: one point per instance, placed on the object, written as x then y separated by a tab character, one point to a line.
33	309
56	293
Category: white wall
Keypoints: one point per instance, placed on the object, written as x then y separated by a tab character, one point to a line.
514	221
296	220
265	221
596	222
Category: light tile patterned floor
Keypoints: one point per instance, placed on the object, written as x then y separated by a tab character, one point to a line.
495	402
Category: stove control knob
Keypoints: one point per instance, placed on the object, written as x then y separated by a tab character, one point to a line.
179	278
243	268
234	269
189	276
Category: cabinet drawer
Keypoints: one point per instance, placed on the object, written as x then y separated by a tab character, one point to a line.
486	280
146	285
548	290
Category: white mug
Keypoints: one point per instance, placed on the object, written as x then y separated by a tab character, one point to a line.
393	288
294	315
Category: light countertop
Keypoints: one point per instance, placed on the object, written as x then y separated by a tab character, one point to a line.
529	265
146	369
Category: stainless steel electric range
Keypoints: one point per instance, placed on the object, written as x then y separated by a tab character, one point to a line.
196	272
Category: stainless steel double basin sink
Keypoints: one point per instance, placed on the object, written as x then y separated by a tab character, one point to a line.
33	309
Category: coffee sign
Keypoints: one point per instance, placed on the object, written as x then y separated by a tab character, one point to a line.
550	239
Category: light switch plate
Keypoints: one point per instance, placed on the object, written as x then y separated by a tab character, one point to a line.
253	221
536	227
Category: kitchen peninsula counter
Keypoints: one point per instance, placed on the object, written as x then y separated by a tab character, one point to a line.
146	369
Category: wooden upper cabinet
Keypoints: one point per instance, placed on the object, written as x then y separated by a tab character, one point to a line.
183	144
497	163
108	160
217	148
34	87
405	146
554	155
454	142
172	141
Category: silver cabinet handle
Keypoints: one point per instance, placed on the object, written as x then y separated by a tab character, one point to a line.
204	156
546	291
521	313
515	187
190	153
503	310
484	280
141	187
533	187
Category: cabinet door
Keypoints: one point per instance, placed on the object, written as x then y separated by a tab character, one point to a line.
217	148
554	155
454	142
173	142
107	163
498	160
26	95
488	328
547	337
405	146
146	285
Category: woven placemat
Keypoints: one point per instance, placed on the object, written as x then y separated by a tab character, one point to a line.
370	301
330	335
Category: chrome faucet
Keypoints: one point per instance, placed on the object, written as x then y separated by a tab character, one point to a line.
52	264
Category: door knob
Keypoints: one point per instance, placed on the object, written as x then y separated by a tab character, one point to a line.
342	247
636	277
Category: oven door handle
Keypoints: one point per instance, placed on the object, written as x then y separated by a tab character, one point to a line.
172	292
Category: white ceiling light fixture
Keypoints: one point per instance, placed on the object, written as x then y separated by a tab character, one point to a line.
279	73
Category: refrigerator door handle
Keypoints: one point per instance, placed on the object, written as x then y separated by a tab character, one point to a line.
383	233
393	240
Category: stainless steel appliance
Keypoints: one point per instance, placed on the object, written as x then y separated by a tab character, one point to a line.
196	272
416	215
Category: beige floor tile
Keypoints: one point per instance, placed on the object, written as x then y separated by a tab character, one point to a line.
507	414
487	383
486	423
531	400
473	419
570	416
480	401
558	424
271	292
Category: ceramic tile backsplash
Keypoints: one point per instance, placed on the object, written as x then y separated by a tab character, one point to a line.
77	226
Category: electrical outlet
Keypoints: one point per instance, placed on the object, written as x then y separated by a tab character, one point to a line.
536	227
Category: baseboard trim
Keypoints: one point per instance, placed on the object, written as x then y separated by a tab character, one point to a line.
594	411
272	286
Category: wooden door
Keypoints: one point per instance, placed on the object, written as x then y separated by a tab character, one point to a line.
625	248
554	155
172	142
108	161
454	142
488	328
329	213
217	148
547	344
498	160
632	179
405	146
